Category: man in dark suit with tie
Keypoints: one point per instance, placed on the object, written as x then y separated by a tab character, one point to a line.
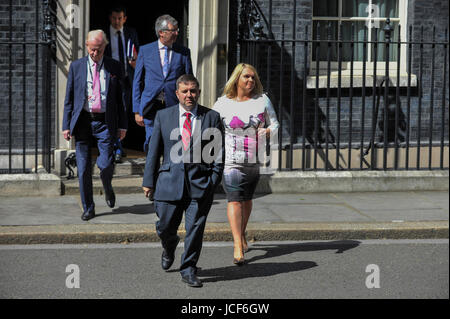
94	110
123	46
190	138
158	67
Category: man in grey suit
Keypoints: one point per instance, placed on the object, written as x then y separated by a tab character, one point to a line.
190	138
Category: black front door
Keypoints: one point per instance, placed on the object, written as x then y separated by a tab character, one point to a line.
141	16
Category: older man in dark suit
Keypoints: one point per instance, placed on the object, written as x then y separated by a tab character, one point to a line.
94	110
190	137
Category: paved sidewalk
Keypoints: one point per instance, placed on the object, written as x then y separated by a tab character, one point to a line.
316	216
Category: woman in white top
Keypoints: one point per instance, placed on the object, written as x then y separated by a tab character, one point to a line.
248	117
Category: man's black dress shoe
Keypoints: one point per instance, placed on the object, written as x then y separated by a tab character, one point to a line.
168	256
192	280
167	260
110	198
88	215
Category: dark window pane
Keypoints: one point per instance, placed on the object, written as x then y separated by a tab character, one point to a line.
327	30
325	8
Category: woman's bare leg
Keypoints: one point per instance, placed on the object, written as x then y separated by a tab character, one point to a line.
235	218
246	211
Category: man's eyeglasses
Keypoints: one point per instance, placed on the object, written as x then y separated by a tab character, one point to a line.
172	30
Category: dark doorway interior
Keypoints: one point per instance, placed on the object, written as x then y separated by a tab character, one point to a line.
141	16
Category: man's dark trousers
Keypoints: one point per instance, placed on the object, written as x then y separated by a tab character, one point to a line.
189	185
170	214
88	130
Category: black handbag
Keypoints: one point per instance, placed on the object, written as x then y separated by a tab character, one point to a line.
151	108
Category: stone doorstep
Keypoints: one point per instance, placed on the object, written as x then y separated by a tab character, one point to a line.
41	184
121	185
132	165
279	182
126	168
306	182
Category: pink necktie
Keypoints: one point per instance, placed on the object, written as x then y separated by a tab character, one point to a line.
97	104
187	131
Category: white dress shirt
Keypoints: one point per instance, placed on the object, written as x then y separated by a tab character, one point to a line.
162	52
183	118
90	73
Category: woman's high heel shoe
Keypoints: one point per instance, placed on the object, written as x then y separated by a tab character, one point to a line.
239	261
244	244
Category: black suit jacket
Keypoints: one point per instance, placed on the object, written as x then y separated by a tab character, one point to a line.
129	34
201	175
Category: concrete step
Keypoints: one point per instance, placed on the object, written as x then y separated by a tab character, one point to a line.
121	184
302	182
128	167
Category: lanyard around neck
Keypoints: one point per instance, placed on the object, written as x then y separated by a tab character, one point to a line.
90	71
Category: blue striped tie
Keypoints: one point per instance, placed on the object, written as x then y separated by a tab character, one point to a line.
166	61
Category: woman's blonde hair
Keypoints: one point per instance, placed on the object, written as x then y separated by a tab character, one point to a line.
230	90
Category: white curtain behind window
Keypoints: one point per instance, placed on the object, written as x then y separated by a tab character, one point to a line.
354	30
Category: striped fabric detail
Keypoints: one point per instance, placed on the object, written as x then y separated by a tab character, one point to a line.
187	131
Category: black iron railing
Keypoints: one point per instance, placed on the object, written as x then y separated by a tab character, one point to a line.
27	54
318	114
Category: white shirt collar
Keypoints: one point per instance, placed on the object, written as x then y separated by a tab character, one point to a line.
161	45
114	31
91	62
193	111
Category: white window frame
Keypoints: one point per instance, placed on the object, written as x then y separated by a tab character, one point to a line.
358	65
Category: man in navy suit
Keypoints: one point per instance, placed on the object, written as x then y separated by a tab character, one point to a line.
123	46
158	66
94	110
190	138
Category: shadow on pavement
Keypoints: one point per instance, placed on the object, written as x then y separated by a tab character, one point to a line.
252	270
278	250
145	209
